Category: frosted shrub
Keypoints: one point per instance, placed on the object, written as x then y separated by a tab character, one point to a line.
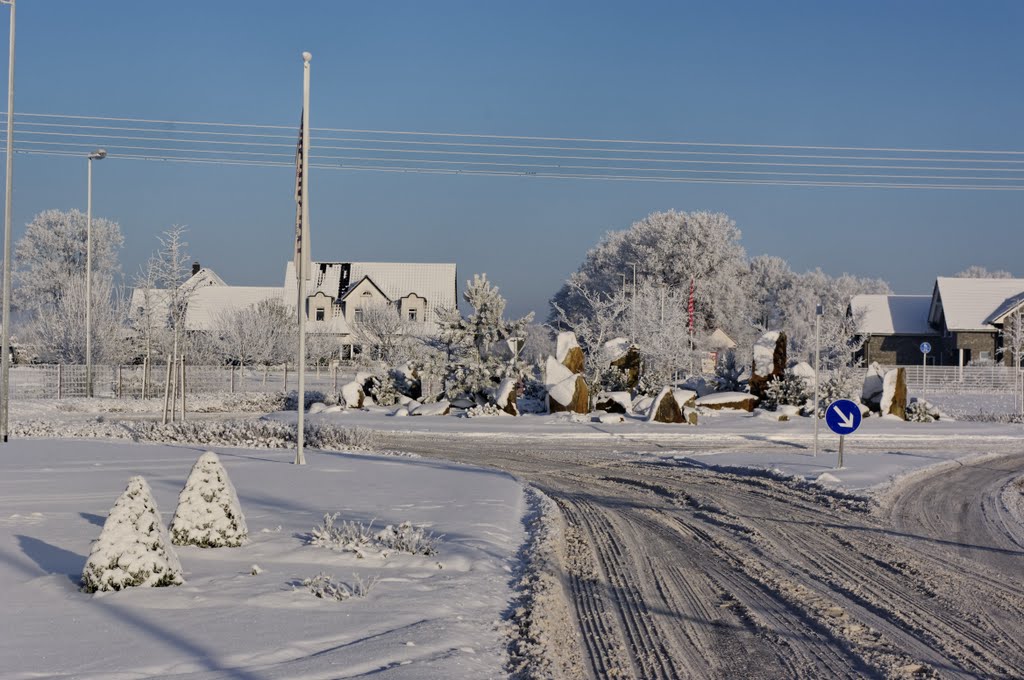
132	549
382	390
208	513
408	539
484	410
729	374
325	586
345	536
920	411
843	383
788	389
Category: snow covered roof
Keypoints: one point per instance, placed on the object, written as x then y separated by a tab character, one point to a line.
892	314
720	340
973	304
208	303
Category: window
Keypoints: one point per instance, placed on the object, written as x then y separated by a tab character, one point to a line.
357	315
412	315
319	313
367	294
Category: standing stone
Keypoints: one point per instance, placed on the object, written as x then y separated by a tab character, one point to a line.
894	394
769	361
568	352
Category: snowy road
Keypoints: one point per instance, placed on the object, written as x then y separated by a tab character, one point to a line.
672	570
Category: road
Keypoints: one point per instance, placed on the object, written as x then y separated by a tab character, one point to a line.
672	570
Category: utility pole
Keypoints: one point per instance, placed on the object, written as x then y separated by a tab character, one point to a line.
817	360
300	267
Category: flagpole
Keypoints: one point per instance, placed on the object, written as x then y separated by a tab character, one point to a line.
300	264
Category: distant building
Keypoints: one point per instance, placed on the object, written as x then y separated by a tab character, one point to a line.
337	294
962	320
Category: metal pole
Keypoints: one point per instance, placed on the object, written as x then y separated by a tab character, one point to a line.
300	435
60	382
182	388
817	361
5	360
88	282
839	466
924	370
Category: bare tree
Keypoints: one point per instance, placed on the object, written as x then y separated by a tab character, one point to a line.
601	317
262	333
384	335
58	329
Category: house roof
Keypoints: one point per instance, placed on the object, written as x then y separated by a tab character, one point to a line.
209	303
892	314
356	285
974	304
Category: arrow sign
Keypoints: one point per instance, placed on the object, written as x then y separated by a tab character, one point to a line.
843	416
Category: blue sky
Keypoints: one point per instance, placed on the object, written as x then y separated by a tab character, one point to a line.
919	74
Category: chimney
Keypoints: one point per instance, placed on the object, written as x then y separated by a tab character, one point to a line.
195	267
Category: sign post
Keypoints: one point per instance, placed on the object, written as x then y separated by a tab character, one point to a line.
925	348
842	417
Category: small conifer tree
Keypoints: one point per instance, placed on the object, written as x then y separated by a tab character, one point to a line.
208	513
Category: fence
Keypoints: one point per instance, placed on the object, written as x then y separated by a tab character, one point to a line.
47	381
964	379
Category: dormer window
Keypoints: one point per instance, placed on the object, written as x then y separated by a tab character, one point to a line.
412	315
320	313
357	316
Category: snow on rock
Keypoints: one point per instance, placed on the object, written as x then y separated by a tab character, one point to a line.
894	394
352	393
610	418
642	404
555	372
668	408
440	408
614	402
317	407
685	397
505	396
209	514
764	353
568	352
740	401
133	548
562	393
871	392
615	349
803	370
400	411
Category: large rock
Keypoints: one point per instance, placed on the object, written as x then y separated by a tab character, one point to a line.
871	392
438	408
572	395
555	372
733	401
505	397
894	394
669	407
353	395
568	352
613	402
769	361
623	355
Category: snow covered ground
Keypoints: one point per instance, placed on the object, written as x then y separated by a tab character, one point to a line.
426	617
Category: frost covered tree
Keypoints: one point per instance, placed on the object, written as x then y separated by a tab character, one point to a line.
476	353
771	284
262	333
133	547
50	256
979	272
670	249
208	513
58	328
597	317
385	335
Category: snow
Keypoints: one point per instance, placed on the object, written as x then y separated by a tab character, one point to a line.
615	349
563	391
888	390
565	342
244	613
683	396
352	394
623	399
971	304
873	383
892	314
764	353
437	408
555	372
722	398
504	391
803	370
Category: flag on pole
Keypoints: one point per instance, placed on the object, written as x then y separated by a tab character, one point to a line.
301	229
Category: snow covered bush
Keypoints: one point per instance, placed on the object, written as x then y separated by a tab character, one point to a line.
382	390
408	539
729	374
132	549
484	410
324	585
842	383
358	538
208	513
788	389
535	395
920	411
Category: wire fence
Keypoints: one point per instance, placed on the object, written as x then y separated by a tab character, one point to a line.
62	381
964	379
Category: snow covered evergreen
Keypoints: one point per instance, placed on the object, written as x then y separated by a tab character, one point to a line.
132	549
208	513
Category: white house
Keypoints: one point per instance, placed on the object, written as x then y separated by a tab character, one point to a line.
337	293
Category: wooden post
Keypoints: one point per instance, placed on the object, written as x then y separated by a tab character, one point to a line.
182	388
335	378
145	374
286	377
231	378
60	382
172	372
120	385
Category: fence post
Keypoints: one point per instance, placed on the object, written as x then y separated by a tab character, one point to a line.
335	378
286	377
231	378
60	392
182	388
119	384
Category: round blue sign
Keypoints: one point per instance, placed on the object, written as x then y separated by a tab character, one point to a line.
843	416
926	347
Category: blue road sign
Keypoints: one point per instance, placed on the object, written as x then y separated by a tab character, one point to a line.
843	416
926	347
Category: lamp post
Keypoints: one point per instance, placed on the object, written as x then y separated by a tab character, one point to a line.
5	360
97	155
818	311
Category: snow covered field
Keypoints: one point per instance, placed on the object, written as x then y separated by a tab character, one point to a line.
426	617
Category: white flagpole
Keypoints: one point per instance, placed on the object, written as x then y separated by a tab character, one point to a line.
300	265
5	344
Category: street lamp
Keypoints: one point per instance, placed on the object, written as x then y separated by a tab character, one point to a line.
97	155
818	311
5	360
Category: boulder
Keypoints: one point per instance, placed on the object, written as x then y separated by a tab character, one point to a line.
353	395
642	404
568	352
769	361
572	395
667	407
505	396
613	402
609	418
555	372
685	397
439	408
894	394
732	401
629	364
871	392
